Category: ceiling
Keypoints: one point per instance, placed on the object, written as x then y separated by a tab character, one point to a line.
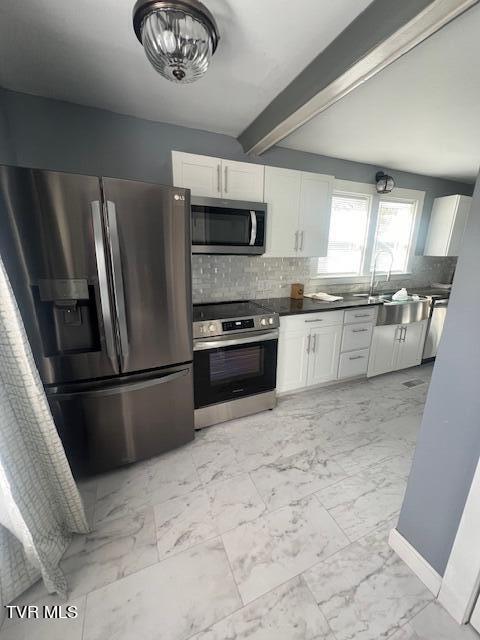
86	52
420	114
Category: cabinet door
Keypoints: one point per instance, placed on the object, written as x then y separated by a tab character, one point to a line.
201	174
324	354
282	195
384	350
315	211
292	359
243	181
458	230
412	343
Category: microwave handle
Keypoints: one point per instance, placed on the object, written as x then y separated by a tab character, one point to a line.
253	233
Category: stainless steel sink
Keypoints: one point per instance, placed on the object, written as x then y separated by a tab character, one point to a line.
402	312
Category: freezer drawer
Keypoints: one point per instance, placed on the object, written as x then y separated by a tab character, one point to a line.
107	425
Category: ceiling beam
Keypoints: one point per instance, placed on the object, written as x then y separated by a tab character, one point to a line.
384	31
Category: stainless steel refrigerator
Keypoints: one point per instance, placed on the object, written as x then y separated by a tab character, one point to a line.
101	270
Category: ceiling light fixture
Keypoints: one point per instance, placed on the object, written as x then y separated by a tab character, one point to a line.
385	183
179	37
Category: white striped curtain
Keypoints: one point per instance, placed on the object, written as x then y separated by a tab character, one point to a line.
40	506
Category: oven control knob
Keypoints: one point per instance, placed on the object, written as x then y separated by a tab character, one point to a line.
263	322
270	321
211	327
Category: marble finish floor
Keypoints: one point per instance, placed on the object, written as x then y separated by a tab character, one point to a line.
270	527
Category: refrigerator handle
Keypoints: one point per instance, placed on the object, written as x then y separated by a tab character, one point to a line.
120	388
118	289
103	281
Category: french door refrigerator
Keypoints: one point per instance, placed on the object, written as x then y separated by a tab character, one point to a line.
101	271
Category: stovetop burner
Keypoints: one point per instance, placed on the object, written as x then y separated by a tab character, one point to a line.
224	310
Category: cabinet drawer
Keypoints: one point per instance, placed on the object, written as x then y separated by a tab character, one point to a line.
357	336
354	363
312	320
362	314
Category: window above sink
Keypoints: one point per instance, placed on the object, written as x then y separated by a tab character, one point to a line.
364	223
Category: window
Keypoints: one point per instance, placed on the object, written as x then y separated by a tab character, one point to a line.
394	231
362	224
348	235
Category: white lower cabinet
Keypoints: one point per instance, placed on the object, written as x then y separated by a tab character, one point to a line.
308	350
396	347
324	354
353	363
292	366
411	348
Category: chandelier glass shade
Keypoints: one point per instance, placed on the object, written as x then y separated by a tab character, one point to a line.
179	37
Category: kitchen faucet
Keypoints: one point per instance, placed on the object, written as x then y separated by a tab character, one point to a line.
374	272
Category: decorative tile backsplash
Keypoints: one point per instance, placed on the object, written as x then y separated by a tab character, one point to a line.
217	278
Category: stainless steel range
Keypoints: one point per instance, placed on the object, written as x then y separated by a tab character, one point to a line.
235	360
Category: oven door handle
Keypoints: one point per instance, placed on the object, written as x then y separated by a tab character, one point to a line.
253	234
227	341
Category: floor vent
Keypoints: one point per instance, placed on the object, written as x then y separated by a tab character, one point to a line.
413	383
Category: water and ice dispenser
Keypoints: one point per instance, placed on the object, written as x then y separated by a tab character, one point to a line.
67	315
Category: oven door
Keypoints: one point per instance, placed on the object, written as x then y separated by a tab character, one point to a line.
227	227
228	368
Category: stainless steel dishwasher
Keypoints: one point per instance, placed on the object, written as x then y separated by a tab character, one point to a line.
435	327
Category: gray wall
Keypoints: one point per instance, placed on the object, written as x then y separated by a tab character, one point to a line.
50	134
448	447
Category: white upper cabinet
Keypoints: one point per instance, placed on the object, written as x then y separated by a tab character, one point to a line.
282	195
217	178
315	210
299	208
201	174
447	225
242	181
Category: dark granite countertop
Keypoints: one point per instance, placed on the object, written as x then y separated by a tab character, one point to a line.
289	306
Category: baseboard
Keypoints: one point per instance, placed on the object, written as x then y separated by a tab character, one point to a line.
417	563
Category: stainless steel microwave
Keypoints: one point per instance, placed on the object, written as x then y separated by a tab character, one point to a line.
228	226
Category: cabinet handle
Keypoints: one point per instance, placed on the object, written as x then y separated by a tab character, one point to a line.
295	248
359	330
405	334
226	180
362	315
301	240
314	343
356	357
219	178
308	342
317	320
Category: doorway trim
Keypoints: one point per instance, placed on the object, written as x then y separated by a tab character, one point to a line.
461	580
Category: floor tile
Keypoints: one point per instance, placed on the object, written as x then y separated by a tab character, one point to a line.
365	591
122	492
434	623
47	629
398	465
289	612
279	545
370	453
293	477
234	502
184	522
363	502
171	475
215	461
173	599
88	492
113	550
